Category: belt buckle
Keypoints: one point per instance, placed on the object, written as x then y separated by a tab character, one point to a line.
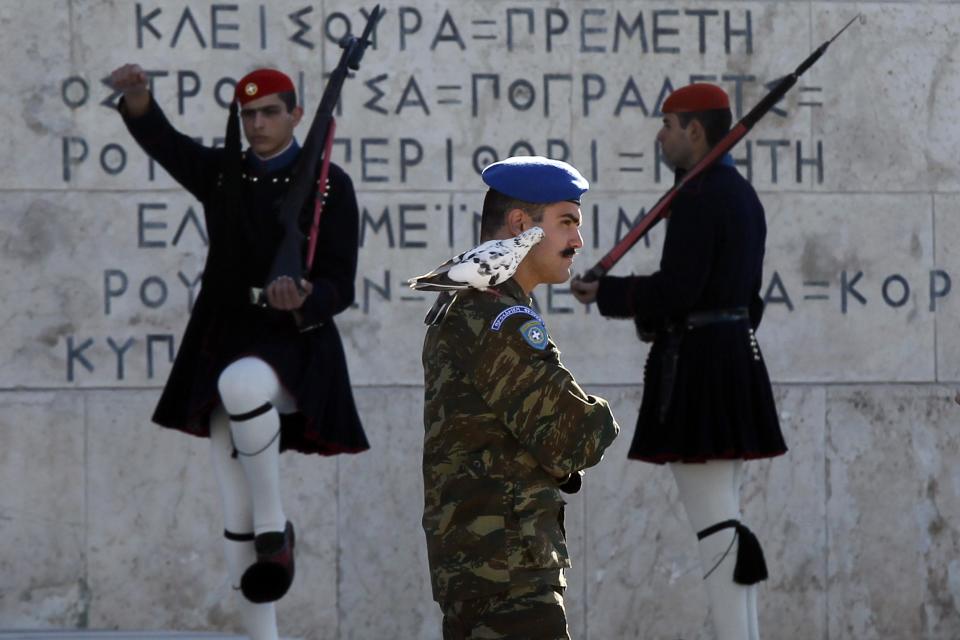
258	297
310	328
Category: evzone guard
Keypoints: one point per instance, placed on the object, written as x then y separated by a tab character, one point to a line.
261	367
707	401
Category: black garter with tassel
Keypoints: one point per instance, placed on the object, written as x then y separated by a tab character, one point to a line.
751	566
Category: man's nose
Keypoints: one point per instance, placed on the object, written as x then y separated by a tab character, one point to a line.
577	240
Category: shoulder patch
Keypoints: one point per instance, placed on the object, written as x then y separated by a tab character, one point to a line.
535	333
512	311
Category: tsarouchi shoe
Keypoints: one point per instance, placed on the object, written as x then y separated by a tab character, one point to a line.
269	578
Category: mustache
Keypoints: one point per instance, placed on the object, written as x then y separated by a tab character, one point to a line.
569	252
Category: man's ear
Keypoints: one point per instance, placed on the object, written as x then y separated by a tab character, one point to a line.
517	222
297	113
695	131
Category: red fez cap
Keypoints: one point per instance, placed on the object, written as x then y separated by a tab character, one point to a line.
260	83
699	96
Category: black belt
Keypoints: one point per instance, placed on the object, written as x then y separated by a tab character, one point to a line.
671	348
703	318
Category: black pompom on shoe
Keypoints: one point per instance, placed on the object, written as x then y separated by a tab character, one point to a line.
270	577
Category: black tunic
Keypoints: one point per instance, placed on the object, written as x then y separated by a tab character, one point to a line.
225	326
721	405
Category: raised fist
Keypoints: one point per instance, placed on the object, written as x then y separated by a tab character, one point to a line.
131	80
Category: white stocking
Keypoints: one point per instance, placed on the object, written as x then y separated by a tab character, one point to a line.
752	617
259	620
710	493
252	395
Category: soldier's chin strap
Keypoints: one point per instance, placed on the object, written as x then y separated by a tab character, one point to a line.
751	566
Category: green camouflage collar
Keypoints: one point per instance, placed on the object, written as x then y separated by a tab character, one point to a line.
511	289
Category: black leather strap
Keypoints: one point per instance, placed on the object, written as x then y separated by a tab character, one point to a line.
238	537
250	415
720	526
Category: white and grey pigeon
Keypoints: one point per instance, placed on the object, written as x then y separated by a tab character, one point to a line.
482	267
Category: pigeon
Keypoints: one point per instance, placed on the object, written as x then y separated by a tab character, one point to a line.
482	267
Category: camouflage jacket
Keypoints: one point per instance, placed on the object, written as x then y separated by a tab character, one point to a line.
504	423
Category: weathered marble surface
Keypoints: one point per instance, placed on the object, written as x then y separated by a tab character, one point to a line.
890	87
899	55
35	63
843	274
95	267
893	508
867	213
43	475
870	259
947	224
866	497
158	485
383	580
859	520
643	568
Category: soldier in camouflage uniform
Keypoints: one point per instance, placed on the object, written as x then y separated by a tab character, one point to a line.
506	424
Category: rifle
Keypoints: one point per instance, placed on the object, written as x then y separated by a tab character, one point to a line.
310	172
738	131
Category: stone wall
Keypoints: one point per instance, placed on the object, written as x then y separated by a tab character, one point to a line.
110	522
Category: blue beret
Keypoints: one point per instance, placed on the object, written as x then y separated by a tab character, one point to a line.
536	179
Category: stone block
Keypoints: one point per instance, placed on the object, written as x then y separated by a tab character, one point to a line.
400	238
784	502
193	55
460	90
893	501
43	510
843	275
108	276
35	62
311	610
858	173
640	562
641	52
643	572
384	582
155	522
155	557
443	115
888	75
946	269
575	598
